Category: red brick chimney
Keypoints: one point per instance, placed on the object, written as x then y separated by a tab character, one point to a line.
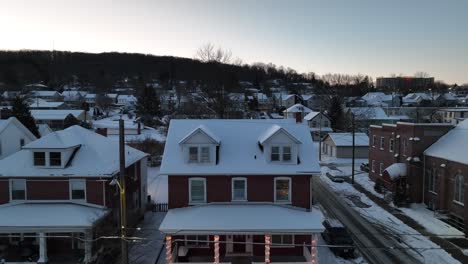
298	116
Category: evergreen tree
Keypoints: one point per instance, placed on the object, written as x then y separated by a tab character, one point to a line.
335	112
21	111
148	106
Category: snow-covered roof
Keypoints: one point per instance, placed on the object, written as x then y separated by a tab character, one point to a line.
55	114
374	97
13	121
112	95
346	139
48	216
37	85
241	218
239	152
370	113
44	129
396	170
96	155
45	93
41	103
203	129
311	115
113	123
452	146
298	108
273	130
90	96
127	97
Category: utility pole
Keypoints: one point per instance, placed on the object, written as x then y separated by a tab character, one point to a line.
354	147
123	202
320	134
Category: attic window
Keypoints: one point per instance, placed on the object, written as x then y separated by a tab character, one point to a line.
55	158
281	153
193	154
199	154
39	158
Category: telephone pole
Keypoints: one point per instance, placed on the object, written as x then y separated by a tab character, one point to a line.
123	202
354	147
320	134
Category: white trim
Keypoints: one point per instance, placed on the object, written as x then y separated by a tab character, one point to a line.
382	143
391	145
11	190
190	190
70	189
245	189
373	166
381	170
289	191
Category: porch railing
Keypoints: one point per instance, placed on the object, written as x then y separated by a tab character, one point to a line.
160	207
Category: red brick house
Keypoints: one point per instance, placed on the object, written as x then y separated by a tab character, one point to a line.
396	154
58	185
240	188
446	175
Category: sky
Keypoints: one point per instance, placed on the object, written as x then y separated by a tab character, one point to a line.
374	37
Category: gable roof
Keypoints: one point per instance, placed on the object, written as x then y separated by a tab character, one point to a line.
346	139
273	130
453	145
298	108
97	156
312	115
201	129
55	114
13	121
239	153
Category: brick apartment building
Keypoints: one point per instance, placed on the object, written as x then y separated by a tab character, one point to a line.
396	154
446	176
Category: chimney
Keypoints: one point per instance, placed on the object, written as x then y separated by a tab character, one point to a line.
102	131
298	117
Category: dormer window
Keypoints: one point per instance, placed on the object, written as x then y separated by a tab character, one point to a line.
199	154
39	159
55	158
281	153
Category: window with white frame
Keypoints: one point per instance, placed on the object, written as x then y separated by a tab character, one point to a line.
432	175
78	189
205	154
374	139
373	165
391	145
283	190
382	143
196	241
281	153
197	190
239	189
55	159
193	154
18	190
381	169
282	240
39	158
459	190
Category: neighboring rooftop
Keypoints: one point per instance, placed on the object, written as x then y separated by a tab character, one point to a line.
346	139
55	114
298	108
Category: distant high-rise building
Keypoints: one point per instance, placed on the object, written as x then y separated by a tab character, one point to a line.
404	83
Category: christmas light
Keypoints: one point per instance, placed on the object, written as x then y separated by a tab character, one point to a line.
216	249
267	248
168	249
313	249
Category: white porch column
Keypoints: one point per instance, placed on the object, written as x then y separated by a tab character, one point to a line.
313	249
216	249
88	245
42	248
267	248
168	250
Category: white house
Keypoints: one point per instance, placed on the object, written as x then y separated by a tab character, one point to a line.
297	112
126	100
47	95
340	145
73	96
90	99
319	124
13	136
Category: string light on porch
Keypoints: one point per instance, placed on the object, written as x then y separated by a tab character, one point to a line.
267	248
216	249
313	249
168	249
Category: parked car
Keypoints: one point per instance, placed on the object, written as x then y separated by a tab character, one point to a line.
365	167
335	176
336	234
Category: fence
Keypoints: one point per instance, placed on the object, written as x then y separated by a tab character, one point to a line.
160	207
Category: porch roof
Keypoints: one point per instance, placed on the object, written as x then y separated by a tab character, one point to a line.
241	219
48	217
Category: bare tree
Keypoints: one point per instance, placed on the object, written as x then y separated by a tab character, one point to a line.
421	74
209	53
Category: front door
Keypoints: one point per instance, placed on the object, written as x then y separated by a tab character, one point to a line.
238	243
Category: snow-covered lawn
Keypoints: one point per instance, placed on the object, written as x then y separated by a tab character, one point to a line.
426	218
424	249
157	185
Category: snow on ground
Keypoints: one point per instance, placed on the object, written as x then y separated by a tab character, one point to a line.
147	251
325	255
424	249
425	217
157	185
